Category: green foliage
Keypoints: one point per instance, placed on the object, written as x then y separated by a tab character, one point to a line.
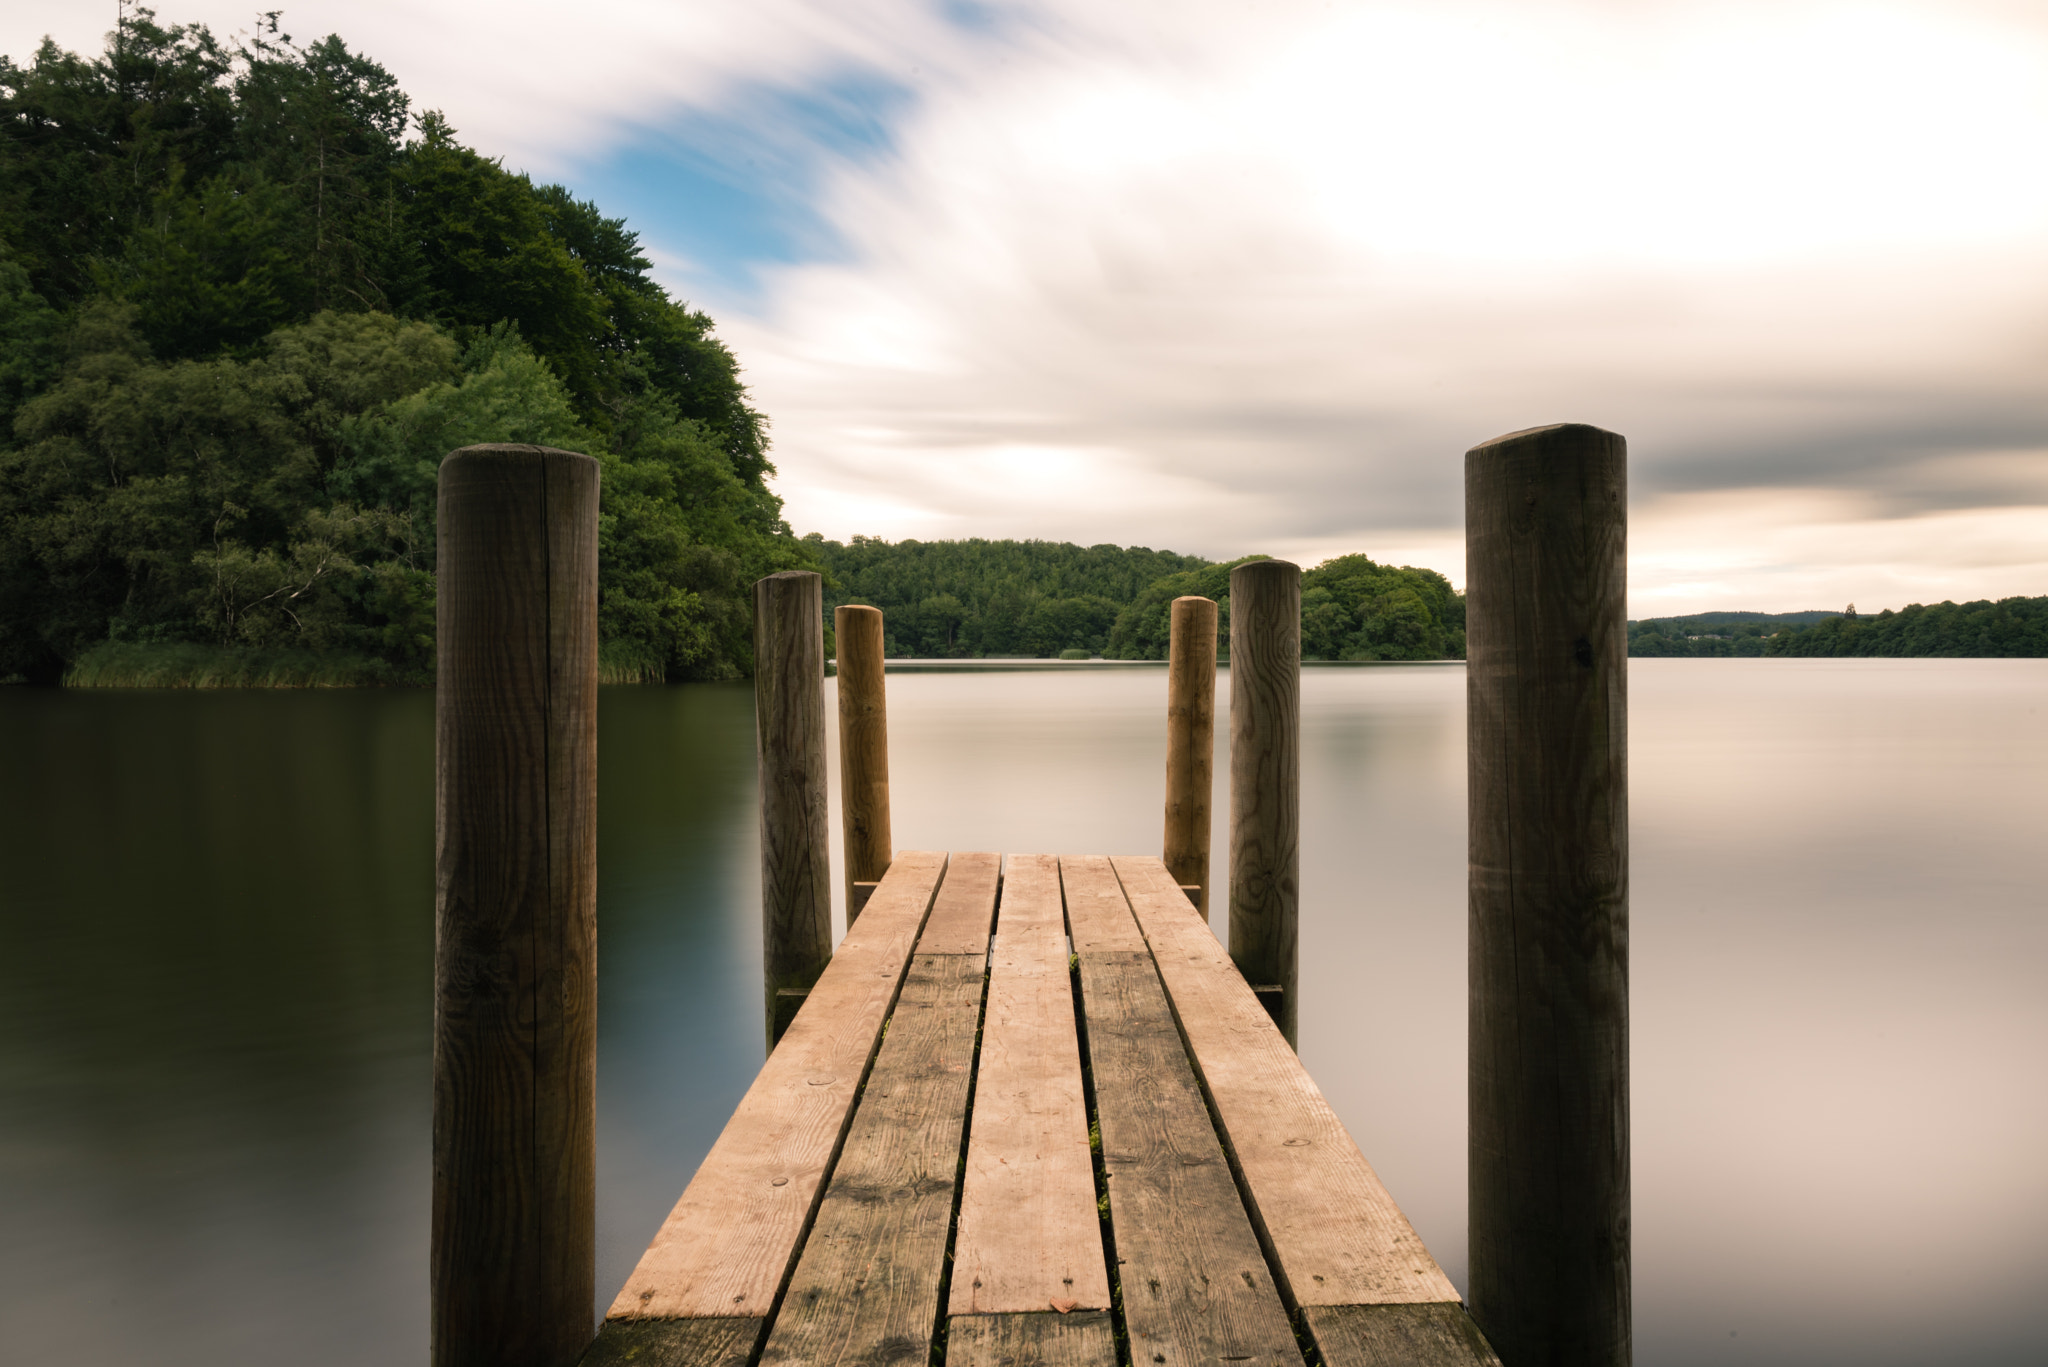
2010	627
1354	609
1351	609
979	598
242	319
127	664
1143	631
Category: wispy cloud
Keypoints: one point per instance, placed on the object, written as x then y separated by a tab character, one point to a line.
1223	277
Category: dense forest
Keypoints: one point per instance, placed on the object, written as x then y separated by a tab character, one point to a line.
248	299
979	598
1714	633
2012	627
976	598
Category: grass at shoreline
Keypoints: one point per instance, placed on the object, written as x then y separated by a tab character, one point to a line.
128	664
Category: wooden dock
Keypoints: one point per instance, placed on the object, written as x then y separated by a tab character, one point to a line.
1030	1110
1031	1113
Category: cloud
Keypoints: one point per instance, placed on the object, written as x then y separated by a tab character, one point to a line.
1286	280
1222	277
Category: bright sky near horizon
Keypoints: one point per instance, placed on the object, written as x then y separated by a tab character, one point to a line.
1234	277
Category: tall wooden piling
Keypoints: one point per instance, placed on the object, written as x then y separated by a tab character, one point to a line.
515	969
1190	743
863	752
1547	722
789	727
1265	782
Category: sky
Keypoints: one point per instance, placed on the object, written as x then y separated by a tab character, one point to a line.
1251	277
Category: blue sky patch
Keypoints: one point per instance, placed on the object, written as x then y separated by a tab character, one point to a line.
736	190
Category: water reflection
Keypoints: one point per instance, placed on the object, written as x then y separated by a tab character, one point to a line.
215	945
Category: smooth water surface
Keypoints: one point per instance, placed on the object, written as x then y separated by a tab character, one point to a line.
215	976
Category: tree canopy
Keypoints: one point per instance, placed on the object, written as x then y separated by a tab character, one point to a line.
247	301
981	598
2009	627
1044	598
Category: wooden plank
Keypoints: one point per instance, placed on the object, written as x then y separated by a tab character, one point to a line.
725	1342
726	1247
1029	1236
1398	1336
1085	1338
1335	1235
867	1286
1031	896
967	903
1098	917
1196	1290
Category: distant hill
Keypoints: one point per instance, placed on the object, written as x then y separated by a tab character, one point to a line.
2010	627
1707	621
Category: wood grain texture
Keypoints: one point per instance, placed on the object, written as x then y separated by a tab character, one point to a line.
867	1286
1029	1238
514	1191
1190	742
1334	1234
726	1342
727	1246
863	748
1398	1336
789	726
1084	1338
967	904
1265	780
1098	917
1196	1289
1547	720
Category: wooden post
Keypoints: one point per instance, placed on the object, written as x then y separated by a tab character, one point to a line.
789	725
1547	721
513	1260
863	752
1190	744
1265	782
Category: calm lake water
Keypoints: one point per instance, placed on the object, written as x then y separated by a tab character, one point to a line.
215	976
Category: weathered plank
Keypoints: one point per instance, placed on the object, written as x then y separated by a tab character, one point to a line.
1398	1336
967	903
1196	1289
726	1247
727	1342
1085	1338
867	1286
1029	1237
1335	1235
1098	917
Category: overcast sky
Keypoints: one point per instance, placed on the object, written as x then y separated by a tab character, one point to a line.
1234	277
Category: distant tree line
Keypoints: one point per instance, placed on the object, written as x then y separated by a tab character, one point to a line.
976	598
247	301
2010	627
